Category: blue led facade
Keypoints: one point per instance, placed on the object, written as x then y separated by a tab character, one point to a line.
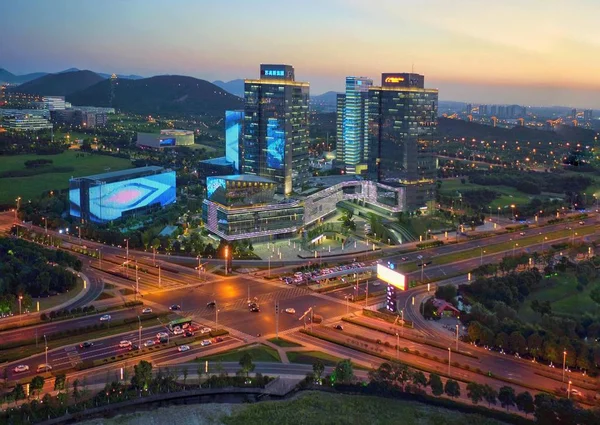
212	184
275	144
354	146
234	121
167	142
99	201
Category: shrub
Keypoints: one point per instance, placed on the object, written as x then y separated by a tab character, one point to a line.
43	317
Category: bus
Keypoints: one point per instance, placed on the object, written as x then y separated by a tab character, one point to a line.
180	323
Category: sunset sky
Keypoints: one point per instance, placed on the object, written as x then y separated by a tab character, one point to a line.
533	52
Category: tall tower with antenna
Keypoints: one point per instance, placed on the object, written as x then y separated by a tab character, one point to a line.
113	83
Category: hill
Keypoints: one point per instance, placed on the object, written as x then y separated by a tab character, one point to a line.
61	84
105	75
325	102
453	128
160	95
10	78
235	87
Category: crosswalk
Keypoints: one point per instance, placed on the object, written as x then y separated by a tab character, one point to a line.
73	356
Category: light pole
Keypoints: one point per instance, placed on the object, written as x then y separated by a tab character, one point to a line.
137	280
199	259
20	300
481	256
564	364
367	294
216	318
498	214
140	333
79	229
46	343
457	337
347	303
45	224
449	355
127	257
269	258
226	260
397	345
100	258
569	391
159	277
514	247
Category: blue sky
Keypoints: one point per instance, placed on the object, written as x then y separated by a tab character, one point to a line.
509	51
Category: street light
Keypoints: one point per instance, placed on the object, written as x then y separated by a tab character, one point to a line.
456	337
140	333
397	345
137	280
216	318
45	224
564	364
269	258
514	247
481	256
569	391
127	257
46	343
226	259
20	300
449	355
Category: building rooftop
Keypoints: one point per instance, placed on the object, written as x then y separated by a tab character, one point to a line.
131	172
221	160
245	178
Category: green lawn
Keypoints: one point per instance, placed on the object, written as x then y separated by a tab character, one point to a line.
563	296
327	408
281	342
32	187
259	353
310	357
51	302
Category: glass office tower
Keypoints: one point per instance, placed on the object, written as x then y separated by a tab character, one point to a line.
275	142
354	148
402	127
234	130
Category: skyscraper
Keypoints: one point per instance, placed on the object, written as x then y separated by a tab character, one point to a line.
340	105
275	143
353	151
234	132
402	127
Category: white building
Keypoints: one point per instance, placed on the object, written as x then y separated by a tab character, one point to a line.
54	103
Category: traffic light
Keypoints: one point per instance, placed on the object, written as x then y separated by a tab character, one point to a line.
276	308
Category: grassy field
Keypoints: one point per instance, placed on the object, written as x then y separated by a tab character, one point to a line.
521	241
51	302
420	225
563	296
33	186
310	357
325	408
281	342
259	353
508	195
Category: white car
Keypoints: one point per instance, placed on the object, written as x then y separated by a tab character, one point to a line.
124	344
178	331
162	335
21	368
376	283
149	343
205	330
206	342
147	310
182	348
44	368
105	318
290	310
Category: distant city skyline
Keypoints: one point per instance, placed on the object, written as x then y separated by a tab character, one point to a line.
524	52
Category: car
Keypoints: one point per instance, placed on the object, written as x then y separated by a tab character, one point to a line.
162	335
211	303
124	344
183	348
44	368
205	342
255	309
175	307
376	283
404	258
218	339
178	331
189	333
290	310
581	223
522	233
86	344
147	310
576	393
133	347
338	327
105	318
21	368
205	330
149	343
162	340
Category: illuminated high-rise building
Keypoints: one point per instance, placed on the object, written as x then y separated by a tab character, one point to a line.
353	147
275	142
402	127
234	134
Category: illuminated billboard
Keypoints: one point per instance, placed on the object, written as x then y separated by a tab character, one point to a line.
233	136
397	280
167	142
213	184
104	202
275	144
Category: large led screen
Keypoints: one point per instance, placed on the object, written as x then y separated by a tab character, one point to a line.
275	144
398	280
110	201
167	142
214	183
233	134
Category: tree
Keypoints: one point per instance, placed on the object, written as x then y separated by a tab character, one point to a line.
418	379
37	383
517	342
246	363
18	392
446	292
142	375
76	392
452	388
506	395
318	369
344	372
524	402
185	375
59	382
490	395
595	294
475	392
534	343
437	388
